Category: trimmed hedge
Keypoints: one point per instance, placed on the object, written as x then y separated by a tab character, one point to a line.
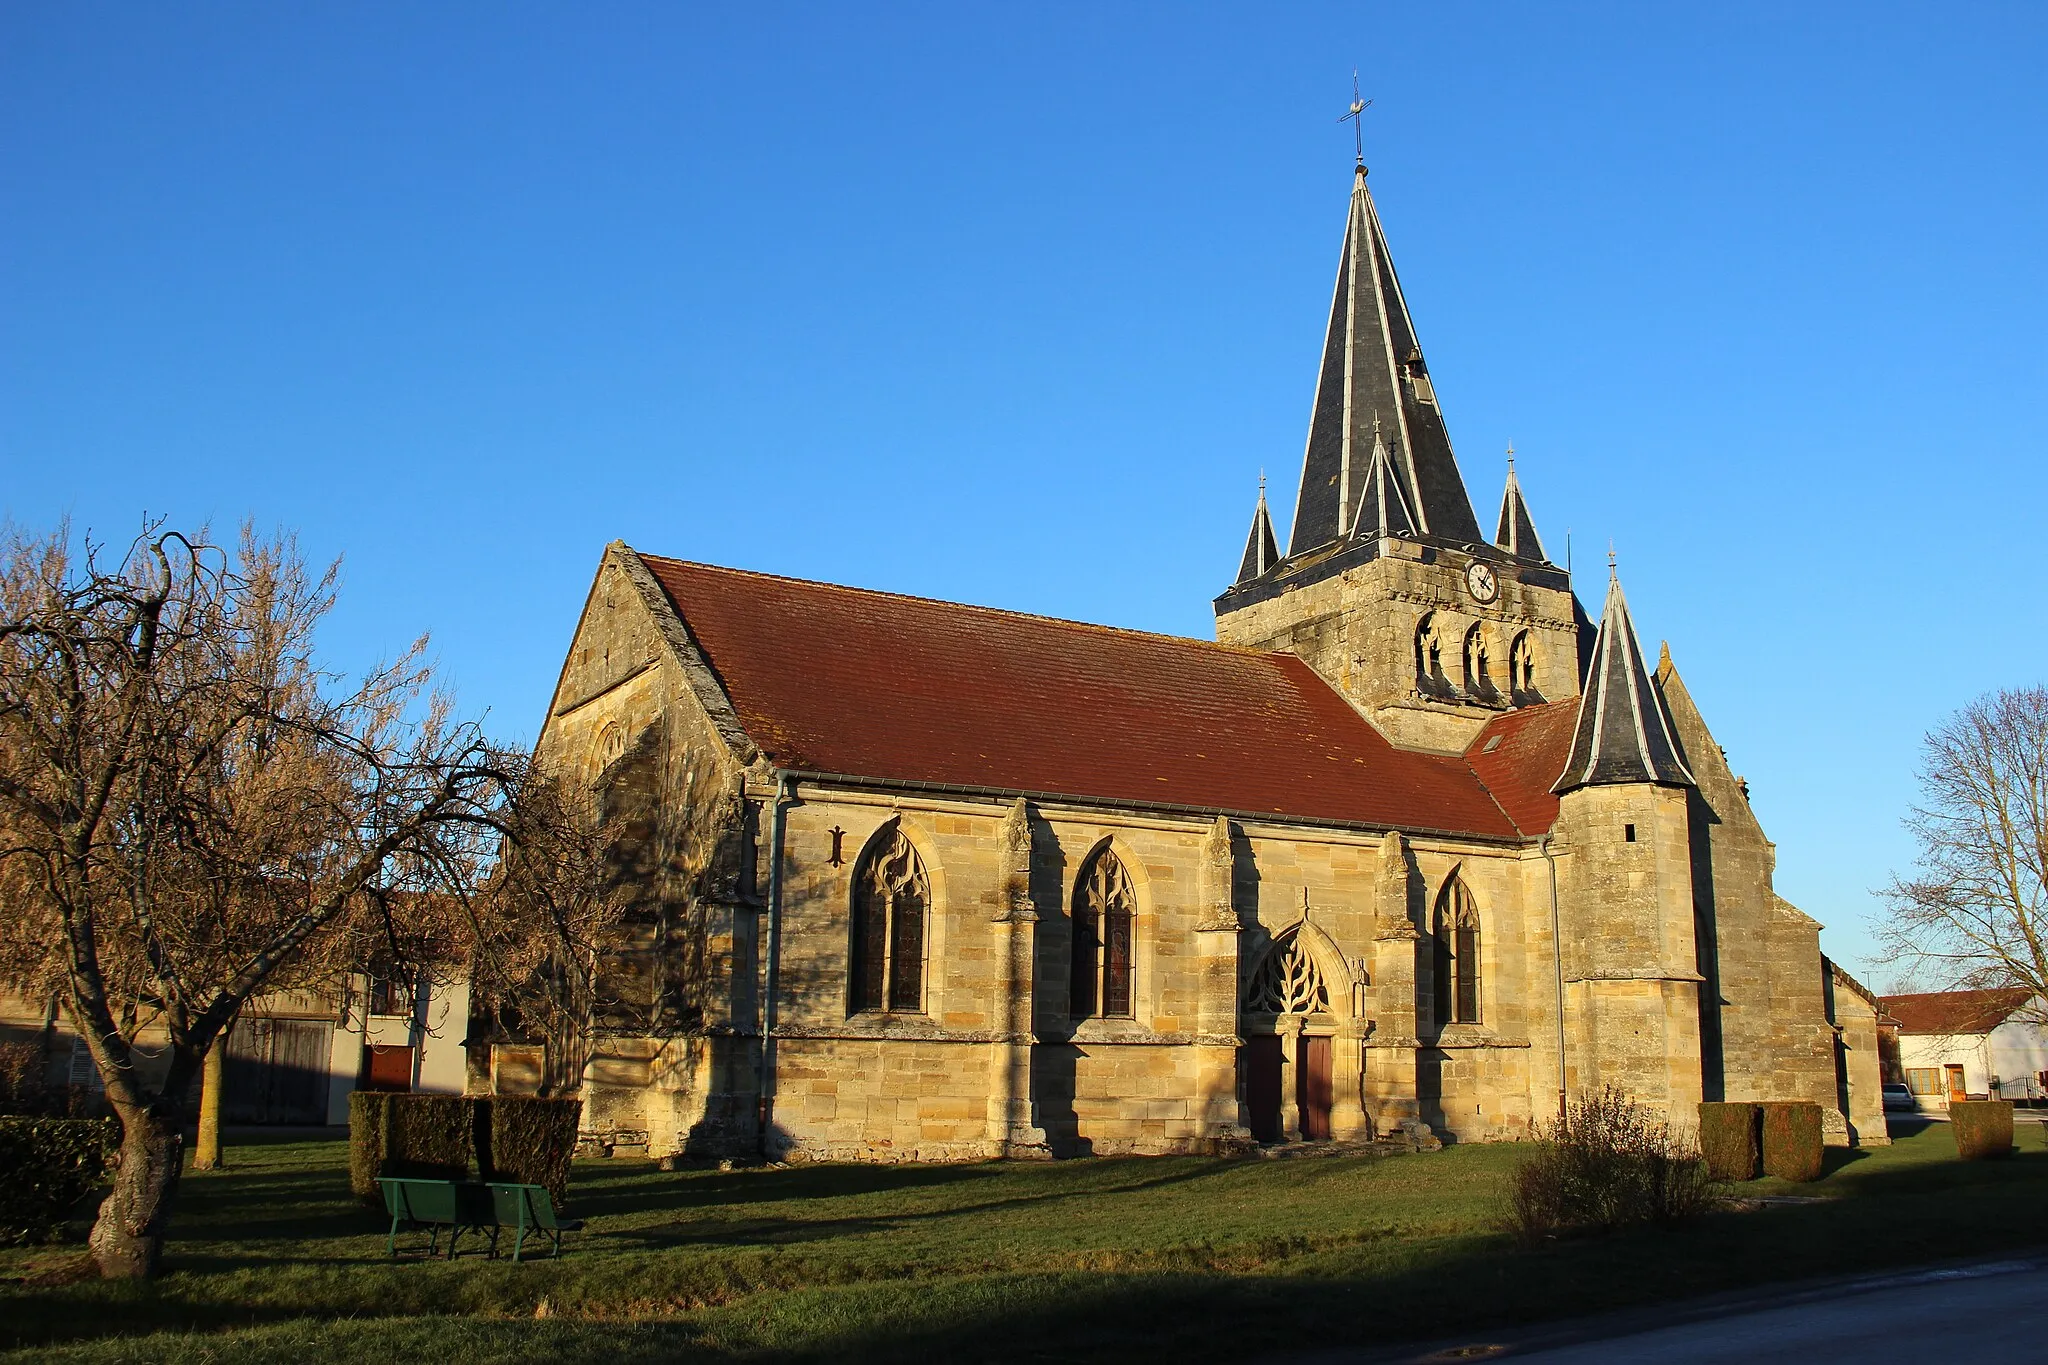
437	1137
1792	1140
1728	1140
427	1137
530	1140
46	1167
1982	1128
369	1113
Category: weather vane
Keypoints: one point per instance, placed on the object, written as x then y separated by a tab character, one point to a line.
1355	117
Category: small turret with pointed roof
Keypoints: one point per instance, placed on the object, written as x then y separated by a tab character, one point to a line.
1260	550
1622	733
1383	504
1517	533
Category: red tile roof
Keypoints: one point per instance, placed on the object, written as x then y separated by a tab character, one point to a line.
870	684
1955	1013
1521	754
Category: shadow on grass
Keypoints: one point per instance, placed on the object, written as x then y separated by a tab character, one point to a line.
1378	1291
796	1230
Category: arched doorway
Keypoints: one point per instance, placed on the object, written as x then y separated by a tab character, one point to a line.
1290	1024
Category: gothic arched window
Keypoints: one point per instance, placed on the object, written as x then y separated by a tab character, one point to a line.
891	896
1104	911
1478	666
1457	954
1522	669
1429	657
1288	981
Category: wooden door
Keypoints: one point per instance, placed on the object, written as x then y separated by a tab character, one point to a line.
1313	1090
1955	1083
298	1070
390	1068
1260	1060
277	1071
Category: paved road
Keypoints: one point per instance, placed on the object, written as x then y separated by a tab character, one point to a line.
1993	1311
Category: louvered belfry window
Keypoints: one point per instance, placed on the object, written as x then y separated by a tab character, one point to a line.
1457	954
1104	912
891	895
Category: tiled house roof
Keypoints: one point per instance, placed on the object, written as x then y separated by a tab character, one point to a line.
874	685
1955	1013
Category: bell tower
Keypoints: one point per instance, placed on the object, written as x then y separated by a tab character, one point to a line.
1387	588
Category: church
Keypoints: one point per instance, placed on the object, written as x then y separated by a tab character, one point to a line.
1415	848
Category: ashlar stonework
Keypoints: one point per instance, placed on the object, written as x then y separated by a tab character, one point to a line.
1416	848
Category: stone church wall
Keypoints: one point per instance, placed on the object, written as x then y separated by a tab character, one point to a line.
1358	628
1765	1021
994	1064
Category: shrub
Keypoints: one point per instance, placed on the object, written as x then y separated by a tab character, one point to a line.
1728	1140
433	1137
1983	1128
46	1167
1792	1140
1607	1163
369	1114
529	1140
427	1137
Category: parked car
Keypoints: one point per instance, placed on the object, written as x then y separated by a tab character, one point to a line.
1897	1096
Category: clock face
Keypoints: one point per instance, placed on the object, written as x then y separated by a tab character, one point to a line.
1482	580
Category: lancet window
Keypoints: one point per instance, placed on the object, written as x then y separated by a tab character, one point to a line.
1429	657
1457	953
1288	981
1522	669
1478	665
891	899
1105	914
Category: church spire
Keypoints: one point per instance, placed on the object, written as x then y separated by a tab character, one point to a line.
1260	552
1517	533
1622	734
1383	506
1372	364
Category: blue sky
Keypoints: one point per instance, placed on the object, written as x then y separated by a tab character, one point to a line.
1011	305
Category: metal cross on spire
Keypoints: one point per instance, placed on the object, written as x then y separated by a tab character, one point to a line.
1356	118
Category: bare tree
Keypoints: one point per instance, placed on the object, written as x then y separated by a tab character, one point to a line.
192	811
1975	911
546	921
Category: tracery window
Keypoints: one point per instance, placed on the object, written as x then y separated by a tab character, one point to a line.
891	896
1429	657
1288	981
1105	909
1522	669
1457	953
1478	666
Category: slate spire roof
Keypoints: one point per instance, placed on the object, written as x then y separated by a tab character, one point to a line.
1373	365
1383	504
1517	533
1622	733
1260	551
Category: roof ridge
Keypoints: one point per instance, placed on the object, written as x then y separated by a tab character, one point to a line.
1197	641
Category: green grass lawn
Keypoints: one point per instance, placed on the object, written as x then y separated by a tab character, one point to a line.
1072	1261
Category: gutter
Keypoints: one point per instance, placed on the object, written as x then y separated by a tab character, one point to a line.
765	1074
1557	961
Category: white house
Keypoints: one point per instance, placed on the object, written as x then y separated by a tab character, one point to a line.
1972	1045
293	1056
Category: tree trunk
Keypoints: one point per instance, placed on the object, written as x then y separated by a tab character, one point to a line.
206	1152
128	1236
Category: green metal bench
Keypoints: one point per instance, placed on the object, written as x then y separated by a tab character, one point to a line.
471	1206
527	1208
